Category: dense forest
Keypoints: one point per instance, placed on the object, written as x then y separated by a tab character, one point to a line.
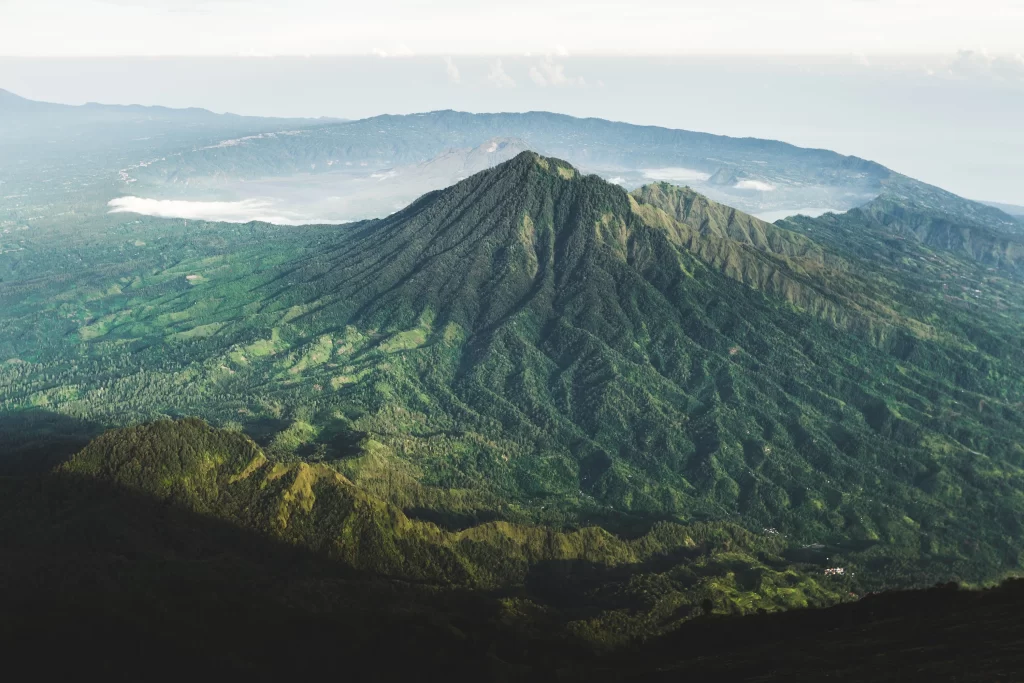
182	544
597	413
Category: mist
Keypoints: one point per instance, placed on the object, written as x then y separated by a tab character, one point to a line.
244	211
951	120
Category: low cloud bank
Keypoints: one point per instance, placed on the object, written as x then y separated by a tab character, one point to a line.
758	185
675	174
810	212
244	211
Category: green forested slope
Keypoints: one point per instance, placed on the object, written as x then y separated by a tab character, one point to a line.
534	345
180	545
608	588
711	219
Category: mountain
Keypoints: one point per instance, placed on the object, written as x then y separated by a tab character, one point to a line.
538	346
758	176
13	106
1011	209
884	637
321	171
61	164
942	220
349	191
175	537
21	112
34	133
789	176
193	466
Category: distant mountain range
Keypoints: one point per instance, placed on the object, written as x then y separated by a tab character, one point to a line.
24	116
335	171
33	132
1011	209
757	175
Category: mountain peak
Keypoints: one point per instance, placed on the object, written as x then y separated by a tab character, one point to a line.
557	167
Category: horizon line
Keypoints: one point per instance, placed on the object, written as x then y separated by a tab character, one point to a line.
398	56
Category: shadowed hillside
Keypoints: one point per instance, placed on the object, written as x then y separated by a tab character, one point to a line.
154	545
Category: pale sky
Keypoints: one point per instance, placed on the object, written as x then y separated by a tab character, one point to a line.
45	28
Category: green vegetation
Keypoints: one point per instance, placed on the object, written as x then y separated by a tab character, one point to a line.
146	538
533	348
225	474
530	424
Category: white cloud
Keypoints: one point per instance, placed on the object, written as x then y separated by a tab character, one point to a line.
758	185
810	212
226	212
675	174
551	73
497	76
461	27
452	71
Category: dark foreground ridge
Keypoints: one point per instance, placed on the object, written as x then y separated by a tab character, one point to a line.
130	588
124	563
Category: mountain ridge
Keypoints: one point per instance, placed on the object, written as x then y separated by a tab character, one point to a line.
588	142
190	464
801	177
797	177
9	99
526	346
100	562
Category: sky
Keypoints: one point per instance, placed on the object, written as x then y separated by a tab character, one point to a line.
46	28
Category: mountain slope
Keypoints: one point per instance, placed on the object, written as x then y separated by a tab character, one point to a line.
760	255
942	220
1010	209
192	466
20	111
711	219
125	546
758	176
40	141
532	344
633	154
